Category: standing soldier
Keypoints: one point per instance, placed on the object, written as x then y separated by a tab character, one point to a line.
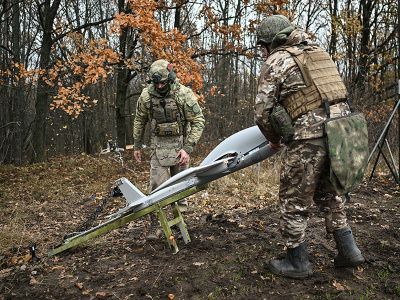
176	123
289	108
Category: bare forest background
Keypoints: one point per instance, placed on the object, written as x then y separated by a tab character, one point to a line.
71	70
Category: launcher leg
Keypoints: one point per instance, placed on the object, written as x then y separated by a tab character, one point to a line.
166	227
181	223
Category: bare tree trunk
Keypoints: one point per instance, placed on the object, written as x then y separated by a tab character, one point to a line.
48	13
17	93
127	43
350	49
333	6
366	7
398	73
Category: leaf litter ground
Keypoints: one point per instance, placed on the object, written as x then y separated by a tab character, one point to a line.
232	225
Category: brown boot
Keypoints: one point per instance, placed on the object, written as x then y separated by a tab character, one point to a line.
154	231
183	205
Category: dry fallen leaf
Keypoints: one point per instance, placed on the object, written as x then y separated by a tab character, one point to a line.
133	278
79	285
33	281
13	260
321	268
338	286
5	272
86	292
358	276
56	268
27	258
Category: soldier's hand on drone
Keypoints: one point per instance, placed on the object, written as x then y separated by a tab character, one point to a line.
276	146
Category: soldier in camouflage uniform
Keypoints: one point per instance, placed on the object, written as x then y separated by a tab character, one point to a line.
286	79
176	124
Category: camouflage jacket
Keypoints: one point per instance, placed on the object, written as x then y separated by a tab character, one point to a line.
191	114
280	77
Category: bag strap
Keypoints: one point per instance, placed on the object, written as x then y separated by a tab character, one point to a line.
151	107
350	103
327	108
300	58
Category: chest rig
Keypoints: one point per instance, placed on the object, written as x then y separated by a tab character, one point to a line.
165	115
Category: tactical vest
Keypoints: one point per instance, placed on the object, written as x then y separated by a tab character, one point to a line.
322	80
165	115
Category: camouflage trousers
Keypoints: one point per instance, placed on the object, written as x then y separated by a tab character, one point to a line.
160	174
304	180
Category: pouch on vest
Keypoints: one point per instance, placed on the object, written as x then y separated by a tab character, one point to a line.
168	129
281	122
159	115
347	143
166	148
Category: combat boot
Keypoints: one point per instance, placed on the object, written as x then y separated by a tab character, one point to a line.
154	231
348	253
183	205
294	265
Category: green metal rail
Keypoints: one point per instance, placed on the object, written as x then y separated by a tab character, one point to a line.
122	220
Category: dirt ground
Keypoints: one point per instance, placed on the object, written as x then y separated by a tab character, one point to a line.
226	259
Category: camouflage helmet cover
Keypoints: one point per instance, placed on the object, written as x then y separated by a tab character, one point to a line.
270	26
161	71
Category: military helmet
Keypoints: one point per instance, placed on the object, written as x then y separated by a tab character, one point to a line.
161	71
270	26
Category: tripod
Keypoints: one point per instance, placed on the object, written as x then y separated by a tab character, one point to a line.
382	141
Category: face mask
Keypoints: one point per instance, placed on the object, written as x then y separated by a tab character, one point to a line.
164	89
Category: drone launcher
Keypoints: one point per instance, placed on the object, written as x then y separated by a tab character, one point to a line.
239	151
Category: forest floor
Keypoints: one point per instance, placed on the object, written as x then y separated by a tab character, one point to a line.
232	226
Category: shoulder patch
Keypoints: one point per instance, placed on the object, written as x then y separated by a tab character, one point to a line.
196	109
